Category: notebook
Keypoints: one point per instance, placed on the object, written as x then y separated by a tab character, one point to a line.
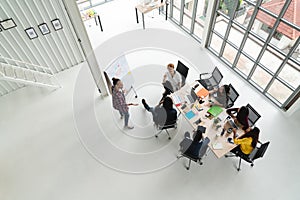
215	110
202	93
190	114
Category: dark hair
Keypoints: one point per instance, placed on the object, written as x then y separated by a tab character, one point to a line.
254	134
168	103
226	88
243	113
197	137
115	81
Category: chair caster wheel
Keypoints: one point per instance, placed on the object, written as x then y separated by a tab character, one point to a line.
187	168
238	169
169	138
226	156
156	136
252	165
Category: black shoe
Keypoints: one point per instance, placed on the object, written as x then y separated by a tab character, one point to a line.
145	105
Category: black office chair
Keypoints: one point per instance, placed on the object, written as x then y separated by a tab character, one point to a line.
232	97
187	151
253	115
212	81
163	123
258	152
183	71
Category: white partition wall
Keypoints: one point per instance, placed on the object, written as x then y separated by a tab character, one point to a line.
58	50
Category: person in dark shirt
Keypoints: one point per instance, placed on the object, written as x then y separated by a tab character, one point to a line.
241	116
164	113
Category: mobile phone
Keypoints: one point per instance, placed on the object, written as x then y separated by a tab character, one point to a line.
183	106
198	121
230	140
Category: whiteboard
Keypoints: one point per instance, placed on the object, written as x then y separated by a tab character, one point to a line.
119	68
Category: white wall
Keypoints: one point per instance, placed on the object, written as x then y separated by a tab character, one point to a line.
58	50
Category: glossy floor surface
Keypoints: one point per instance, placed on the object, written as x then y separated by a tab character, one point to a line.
70	144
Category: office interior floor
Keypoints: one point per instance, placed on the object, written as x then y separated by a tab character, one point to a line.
50	147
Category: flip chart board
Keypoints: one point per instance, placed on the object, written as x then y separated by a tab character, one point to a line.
119	68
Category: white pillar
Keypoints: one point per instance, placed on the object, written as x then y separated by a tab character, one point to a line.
208	22
86	46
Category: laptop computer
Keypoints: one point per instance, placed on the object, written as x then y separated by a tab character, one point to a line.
192	97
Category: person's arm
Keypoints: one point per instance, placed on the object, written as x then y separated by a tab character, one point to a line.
165	77
230	111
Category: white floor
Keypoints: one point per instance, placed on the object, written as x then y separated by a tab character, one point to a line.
49	148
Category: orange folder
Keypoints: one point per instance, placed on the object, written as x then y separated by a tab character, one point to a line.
202	93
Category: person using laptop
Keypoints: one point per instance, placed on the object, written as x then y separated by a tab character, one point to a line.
171	80
247	142
219	96
164	113
240	116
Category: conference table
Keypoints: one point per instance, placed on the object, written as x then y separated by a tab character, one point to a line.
219	145
145	8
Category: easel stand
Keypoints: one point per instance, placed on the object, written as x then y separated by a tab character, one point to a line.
134	91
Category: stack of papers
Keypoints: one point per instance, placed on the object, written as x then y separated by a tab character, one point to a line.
218	145
176	99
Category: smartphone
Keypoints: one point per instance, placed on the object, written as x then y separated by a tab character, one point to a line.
198	121
230	140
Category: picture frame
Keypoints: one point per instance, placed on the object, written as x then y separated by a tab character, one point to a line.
31	33
8	24
56	24
44	28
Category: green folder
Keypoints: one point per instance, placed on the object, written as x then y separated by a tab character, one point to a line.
215	110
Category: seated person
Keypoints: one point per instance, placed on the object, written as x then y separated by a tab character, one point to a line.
164	113
241	117
191	147
220	96
171	80
247	142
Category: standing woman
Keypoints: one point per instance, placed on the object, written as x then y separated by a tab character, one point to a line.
119	101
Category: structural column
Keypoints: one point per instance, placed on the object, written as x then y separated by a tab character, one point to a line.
81	34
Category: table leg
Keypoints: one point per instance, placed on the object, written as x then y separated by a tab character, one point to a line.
96	20
137	17
167	11
100	23
143	21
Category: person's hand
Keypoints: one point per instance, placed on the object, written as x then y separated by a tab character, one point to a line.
133	104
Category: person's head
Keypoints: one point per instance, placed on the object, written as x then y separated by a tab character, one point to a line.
171	68
224	88
168	103
117	83
254	134
243	112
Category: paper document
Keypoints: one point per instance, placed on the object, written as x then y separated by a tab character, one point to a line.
176	99
218	145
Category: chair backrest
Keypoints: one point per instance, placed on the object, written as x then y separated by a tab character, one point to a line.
204	147
232	97
217	76
183	71
253	115
261	151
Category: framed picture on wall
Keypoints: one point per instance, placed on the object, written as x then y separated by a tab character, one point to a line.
31	33
56	24
8	24
44	28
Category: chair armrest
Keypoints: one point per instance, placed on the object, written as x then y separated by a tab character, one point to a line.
203	74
